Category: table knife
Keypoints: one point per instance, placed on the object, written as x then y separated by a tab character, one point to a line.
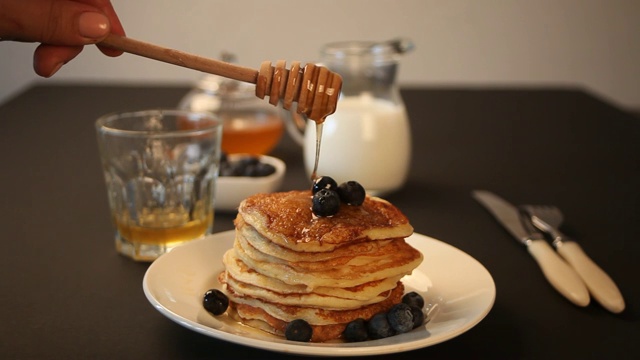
559	274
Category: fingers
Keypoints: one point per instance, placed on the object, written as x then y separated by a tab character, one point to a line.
116	26
48	59
62	26
58	22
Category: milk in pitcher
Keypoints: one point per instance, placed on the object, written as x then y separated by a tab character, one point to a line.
367	139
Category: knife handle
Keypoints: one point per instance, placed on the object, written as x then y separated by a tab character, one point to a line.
604	290
559	273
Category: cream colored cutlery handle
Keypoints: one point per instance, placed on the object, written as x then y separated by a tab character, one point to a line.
602	287
559	273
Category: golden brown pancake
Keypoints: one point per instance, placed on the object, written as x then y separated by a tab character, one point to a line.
241	272
397	258
286	219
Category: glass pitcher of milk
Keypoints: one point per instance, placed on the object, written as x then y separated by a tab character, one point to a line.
368	138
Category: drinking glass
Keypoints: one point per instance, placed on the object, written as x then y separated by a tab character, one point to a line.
160	168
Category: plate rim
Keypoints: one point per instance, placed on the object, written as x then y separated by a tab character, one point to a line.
314	349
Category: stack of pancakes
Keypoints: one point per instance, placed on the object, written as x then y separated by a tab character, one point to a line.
289	264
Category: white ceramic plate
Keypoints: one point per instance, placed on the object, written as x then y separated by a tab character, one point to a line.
460	287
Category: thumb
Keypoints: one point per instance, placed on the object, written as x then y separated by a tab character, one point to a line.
55	22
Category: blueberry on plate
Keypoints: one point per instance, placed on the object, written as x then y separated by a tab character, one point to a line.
378	327
298	330
324	182
400	318
413	299
356	331
418	316
325	203
352	193
215	302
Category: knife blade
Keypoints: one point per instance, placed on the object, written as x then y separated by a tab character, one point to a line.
557	272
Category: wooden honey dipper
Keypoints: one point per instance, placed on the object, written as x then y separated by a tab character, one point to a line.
314	88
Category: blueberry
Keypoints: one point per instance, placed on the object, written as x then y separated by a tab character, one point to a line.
244	165
352	193
215	302
226	169
263	169
224	158
400	318
230	168
378	327
418	316
257	169
324	182
247	161
325	203
248	170
413	299
298	330
248	166
356	331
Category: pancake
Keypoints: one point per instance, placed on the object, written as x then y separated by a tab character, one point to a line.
240	271
312	300
287	264
249	234
398	258
286	219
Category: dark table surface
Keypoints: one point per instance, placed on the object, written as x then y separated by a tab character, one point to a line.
66	294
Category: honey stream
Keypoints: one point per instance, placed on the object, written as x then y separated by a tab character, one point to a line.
314	174
313	87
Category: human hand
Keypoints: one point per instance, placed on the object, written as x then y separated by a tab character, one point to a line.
62	27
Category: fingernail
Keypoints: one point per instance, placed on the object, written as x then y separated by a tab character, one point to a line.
93	25
55	69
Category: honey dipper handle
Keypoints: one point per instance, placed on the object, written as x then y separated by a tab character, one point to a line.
181	58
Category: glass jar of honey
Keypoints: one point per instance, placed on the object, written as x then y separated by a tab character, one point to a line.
250	124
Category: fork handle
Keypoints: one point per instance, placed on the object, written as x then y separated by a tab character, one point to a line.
601	286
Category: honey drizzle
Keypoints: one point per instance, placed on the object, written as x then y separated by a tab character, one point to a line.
314	174
314	88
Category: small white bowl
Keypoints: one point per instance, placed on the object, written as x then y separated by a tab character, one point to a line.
231	190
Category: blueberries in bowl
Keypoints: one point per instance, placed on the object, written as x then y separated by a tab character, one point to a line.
249	166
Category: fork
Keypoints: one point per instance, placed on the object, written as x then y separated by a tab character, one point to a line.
548	218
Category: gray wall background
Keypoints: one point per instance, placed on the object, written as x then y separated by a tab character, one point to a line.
593	44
